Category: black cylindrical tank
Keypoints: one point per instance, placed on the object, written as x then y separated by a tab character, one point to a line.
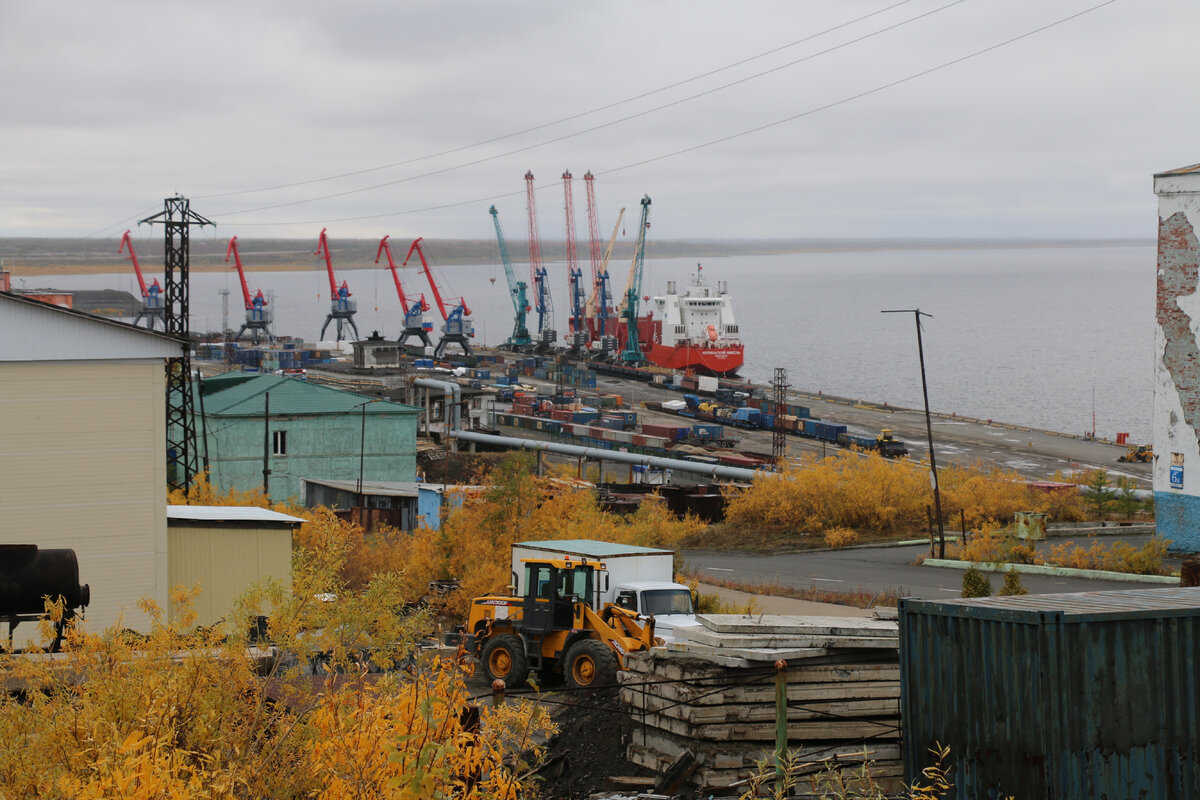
28	575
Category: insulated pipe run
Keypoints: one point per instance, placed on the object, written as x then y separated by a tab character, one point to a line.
453	397
600	454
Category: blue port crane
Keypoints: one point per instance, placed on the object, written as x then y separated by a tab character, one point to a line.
415	324
456	326
520	339
632	354
542	302
578	337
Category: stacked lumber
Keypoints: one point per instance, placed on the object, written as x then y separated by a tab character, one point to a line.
712	692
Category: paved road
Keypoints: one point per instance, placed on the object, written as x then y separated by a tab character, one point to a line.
874	569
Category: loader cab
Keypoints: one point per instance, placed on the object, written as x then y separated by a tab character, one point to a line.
552	588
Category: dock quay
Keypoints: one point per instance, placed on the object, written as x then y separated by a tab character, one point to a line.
491	380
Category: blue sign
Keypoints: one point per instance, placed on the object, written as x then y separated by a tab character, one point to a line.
1176	477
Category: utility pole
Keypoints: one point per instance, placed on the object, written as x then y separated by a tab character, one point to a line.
183	459
267	445
933	474
778	436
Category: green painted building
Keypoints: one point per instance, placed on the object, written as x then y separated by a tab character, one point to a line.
300	430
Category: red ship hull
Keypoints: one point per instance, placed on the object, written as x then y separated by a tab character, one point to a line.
723	361
719	361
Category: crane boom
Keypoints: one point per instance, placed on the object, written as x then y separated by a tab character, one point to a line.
384	247
603	293
323	248
516	289
126	240
633	349
574	274
437	295
589	180
541	292
237	263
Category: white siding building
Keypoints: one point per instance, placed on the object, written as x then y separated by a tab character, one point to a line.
82	450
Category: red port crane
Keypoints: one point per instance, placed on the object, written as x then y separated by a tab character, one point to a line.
258	318
414	313
152	309
341	307
456	323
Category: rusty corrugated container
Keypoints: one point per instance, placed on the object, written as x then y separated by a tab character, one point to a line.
1093	694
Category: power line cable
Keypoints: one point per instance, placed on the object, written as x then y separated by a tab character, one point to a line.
603	125
693	148
569	118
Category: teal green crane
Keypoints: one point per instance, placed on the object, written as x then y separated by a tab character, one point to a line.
632	354
520	338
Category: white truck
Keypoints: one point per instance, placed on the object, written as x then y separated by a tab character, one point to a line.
640	579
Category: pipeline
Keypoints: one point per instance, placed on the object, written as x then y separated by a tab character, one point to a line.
600	454
452	400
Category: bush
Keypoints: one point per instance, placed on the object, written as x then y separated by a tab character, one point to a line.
840	537
1012	584
869	492
975	583
1117	557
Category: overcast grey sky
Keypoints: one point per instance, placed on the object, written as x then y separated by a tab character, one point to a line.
108	107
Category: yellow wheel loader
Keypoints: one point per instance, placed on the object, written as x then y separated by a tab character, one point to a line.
557	626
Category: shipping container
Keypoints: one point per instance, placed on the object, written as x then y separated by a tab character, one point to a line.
1091	694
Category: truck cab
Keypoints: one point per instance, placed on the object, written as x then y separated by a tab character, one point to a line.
671	604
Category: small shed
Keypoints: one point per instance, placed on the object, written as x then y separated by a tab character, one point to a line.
1088	694
225	550
369	503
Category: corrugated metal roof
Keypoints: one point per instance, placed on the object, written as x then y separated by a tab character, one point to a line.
1072	606
230	514
588	547
378	488
241	397
31	330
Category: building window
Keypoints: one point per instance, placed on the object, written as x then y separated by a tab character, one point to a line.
279	443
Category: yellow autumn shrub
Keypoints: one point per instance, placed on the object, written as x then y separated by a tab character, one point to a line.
865	491
180	713
840	537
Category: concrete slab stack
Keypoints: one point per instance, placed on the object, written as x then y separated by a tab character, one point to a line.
712	693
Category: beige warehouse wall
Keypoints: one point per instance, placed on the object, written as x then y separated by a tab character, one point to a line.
83	466
224	561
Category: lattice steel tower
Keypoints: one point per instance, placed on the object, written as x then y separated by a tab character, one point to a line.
778	436
183	458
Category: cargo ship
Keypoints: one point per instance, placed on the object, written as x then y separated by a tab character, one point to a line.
695	331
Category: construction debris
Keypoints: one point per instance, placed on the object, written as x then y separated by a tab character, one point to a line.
711	695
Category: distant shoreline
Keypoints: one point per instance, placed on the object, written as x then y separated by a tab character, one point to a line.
51	257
